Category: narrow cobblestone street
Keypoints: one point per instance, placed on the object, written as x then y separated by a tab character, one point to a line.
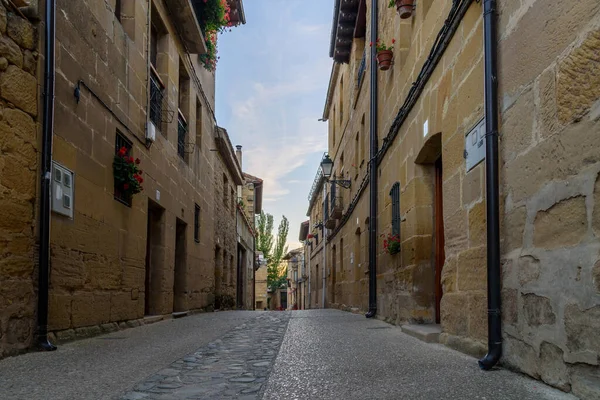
316	354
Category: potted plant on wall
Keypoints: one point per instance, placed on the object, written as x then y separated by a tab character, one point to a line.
128	176
404	7
391	244
385	54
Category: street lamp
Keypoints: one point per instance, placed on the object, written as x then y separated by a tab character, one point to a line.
327	168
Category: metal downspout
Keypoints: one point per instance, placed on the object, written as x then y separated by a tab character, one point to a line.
492	186
46	174
373	169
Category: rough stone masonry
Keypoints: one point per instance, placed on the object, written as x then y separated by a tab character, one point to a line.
19	96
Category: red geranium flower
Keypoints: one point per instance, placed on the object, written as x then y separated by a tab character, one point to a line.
137	161
122	151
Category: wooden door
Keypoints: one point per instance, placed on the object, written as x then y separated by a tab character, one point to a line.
440	256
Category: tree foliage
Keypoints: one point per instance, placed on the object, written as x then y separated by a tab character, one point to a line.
264	241
273	249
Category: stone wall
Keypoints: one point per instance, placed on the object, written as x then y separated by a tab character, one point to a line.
245	237
549	184
19	125
225	236
99	268
260	276
551	191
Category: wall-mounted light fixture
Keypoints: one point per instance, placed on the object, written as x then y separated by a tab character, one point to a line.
327	168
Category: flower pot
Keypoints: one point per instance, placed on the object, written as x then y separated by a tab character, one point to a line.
384	59
405	8
394	248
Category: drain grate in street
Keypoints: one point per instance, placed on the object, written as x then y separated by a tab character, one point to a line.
380	327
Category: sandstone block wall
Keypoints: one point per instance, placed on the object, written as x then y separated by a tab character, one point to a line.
99	257
549	183
19	124
551	190
225	236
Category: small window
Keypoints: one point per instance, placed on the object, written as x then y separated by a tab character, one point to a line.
153	45
225	185
198	123
122	141
118	10
395	193
233	201
197	223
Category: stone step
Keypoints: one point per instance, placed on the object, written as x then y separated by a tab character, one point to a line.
429	333
180	314
150	319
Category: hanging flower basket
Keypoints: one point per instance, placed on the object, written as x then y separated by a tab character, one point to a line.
385	54
404	7
391	244
128	176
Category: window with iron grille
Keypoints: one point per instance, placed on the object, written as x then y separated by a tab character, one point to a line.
395	193
182	130
361	69
122	141
156	100
197	223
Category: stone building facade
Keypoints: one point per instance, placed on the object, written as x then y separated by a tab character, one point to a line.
21	115
260	287
295	269
434	197
127	75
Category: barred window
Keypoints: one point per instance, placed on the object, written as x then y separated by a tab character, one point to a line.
395	194
197	223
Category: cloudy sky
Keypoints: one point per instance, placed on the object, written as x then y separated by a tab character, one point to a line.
271	85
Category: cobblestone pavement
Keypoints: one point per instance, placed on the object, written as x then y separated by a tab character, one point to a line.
235	366
314	354
106	366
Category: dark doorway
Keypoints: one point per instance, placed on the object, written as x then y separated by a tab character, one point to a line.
217	271
180	272
440	256
283	303
155	251
332	272
240	289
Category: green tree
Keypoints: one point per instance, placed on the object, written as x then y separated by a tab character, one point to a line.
264	240
273	249
276	276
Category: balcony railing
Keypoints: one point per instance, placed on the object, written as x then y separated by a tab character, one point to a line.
335	208
182	130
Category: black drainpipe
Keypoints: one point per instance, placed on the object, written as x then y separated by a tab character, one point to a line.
46	173
491	188
373	170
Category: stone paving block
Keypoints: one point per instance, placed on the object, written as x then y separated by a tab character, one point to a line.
236	366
